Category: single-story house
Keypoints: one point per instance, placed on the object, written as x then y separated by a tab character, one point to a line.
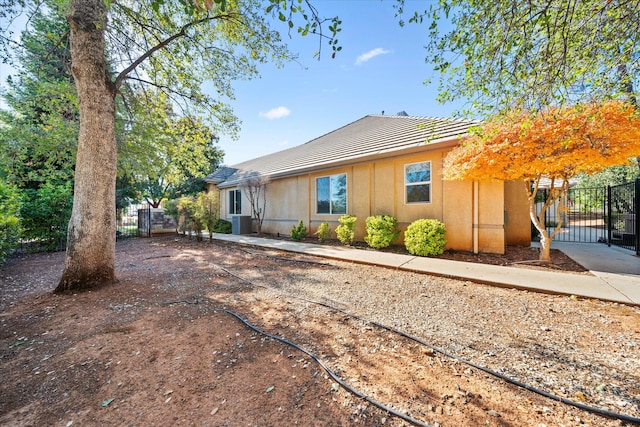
380	164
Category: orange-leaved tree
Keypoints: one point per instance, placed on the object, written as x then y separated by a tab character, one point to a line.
557	143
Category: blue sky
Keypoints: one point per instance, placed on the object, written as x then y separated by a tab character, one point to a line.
381	67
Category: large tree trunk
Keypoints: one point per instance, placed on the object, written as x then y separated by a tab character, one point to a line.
90	255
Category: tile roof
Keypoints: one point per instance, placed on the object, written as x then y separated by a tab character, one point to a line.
373	136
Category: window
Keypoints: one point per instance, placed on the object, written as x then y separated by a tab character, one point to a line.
331	194
417	182
235	202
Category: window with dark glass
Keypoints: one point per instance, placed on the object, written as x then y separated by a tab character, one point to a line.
235	202
331	194
417	181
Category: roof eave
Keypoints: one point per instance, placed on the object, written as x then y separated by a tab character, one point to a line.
435	145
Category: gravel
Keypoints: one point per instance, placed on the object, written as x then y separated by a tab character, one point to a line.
587	351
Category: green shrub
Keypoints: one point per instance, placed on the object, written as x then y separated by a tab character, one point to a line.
222	226
425	237
382	230
299	232
208	211
346	231
324	232
189	219
171	209
45	214
9	220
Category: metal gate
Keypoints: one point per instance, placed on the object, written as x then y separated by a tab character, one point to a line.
583	220
623	218
133	221
605	215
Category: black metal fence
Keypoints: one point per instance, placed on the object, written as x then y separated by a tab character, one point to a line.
605	215
133	221
623	218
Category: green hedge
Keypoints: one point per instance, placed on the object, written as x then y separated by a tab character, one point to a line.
346	231
382	230
425	237
222	226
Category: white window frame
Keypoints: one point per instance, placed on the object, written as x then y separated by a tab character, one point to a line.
346	177
409	184
237	200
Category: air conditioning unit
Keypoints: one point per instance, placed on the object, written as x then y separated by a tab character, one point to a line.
241	224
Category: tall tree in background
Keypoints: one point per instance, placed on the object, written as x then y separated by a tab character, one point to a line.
39	133
164	156
532	54
174	45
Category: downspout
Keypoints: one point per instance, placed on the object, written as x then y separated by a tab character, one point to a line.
310	199
372	180
476	217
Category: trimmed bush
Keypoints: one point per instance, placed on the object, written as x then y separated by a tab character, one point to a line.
382	230
299	232
222	226
324	232
425	237
346	231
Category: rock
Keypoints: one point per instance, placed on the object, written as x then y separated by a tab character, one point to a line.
493	413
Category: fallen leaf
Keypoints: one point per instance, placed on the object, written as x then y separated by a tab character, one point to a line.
335	386
270	389
107	402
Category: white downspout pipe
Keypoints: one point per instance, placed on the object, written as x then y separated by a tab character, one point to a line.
476	217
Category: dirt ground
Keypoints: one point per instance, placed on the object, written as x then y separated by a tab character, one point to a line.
160	347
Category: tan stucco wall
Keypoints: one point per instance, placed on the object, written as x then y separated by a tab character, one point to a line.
491	217
517	221
378	188
287	204
458	214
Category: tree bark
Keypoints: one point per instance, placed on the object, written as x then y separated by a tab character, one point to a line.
90	259
545	240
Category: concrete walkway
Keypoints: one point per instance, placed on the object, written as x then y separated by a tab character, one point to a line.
616	272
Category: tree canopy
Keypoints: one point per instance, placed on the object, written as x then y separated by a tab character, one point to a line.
500	54
558	143
163	153
175	46
38	134
159	152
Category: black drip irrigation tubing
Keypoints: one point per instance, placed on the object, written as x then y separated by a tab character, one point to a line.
592	409
332	374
